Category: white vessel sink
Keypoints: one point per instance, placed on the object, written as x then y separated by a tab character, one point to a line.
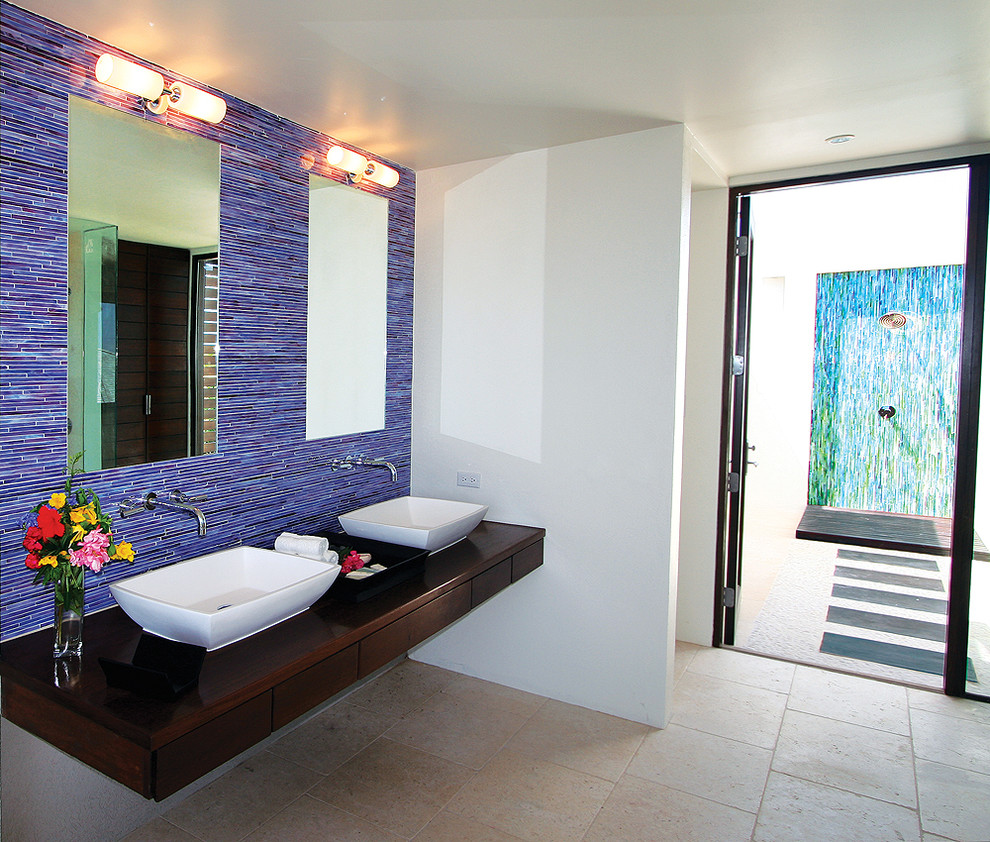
423	522
219	598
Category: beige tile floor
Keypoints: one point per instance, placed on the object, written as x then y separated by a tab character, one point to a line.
756	750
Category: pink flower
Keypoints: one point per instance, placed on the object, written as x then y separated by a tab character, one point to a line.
92	552
352	562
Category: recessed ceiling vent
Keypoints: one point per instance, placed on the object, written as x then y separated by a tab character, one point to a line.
893	321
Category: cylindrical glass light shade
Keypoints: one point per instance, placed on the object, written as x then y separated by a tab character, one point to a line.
130	77
380	174
197	103
347	160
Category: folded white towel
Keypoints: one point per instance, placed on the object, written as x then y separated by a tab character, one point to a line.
307	546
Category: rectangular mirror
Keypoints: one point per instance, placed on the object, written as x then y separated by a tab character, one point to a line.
144	231
346	316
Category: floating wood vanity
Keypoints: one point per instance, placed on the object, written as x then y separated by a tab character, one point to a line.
249	689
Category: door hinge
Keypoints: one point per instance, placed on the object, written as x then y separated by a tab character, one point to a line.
729	597
147	404
733	482
738	364
742	246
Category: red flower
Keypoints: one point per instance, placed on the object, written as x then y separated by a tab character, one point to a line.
32	561
50	523
352	562
32	539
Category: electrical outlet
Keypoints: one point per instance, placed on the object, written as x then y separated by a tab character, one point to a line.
469	479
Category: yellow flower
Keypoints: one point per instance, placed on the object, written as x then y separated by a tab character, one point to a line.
57	501
49	559
78	532
83	514
124	551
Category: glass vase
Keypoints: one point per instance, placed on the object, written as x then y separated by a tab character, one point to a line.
70	597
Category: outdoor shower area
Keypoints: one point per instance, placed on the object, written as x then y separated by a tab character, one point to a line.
854	367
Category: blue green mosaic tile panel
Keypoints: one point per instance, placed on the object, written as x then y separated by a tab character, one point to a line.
886	338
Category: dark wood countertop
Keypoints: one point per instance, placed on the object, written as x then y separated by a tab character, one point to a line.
241	670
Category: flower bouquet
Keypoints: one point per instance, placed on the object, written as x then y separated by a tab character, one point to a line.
64	537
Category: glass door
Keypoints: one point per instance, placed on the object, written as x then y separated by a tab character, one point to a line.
967	665
854	363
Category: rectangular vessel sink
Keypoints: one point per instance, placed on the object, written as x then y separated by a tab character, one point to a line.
223	597
424	522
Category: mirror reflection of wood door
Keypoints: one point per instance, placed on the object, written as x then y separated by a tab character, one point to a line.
152	377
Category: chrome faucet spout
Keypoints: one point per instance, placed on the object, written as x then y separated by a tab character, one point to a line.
381	463
348	462
176	502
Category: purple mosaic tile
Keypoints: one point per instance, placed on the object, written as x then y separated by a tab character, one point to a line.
267	477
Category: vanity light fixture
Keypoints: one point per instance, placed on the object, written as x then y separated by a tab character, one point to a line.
359	168
157	94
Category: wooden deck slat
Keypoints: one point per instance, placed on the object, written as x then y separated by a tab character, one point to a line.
882	530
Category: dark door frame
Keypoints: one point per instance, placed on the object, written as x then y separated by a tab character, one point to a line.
727	572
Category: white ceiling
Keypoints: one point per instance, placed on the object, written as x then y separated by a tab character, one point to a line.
760	83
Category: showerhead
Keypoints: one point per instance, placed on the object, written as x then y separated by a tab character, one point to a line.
893	321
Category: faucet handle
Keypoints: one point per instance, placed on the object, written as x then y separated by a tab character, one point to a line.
131	506
177	496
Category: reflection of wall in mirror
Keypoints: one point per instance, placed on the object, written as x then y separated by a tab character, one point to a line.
161	188
346	310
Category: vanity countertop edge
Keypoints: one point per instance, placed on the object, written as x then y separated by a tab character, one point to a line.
245	671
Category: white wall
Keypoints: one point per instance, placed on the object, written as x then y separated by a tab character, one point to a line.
589	404
702	416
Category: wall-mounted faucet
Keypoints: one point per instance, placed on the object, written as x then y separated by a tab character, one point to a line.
177	502
349	462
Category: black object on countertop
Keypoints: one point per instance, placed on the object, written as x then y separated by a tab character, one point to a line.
160	669
403	563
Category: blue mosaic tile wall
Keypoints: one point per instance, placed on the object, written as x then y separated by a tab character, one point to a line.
267	477
860	460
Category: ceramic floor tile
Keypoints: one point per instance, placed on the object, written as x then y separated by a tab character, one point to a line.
467	722
716	768
403	688
640	811
487	692
580	739
949	705
862	760
243	799
310	820
532	799
448	827
728	709
394	786
954	802
159	830
963	743
795	809
850	698
683	655
332	736
931	837
744	668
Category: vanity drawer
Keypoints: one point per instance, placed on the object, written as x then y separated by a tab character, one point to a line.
486	585
182	761
382	646
312	686
527	560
